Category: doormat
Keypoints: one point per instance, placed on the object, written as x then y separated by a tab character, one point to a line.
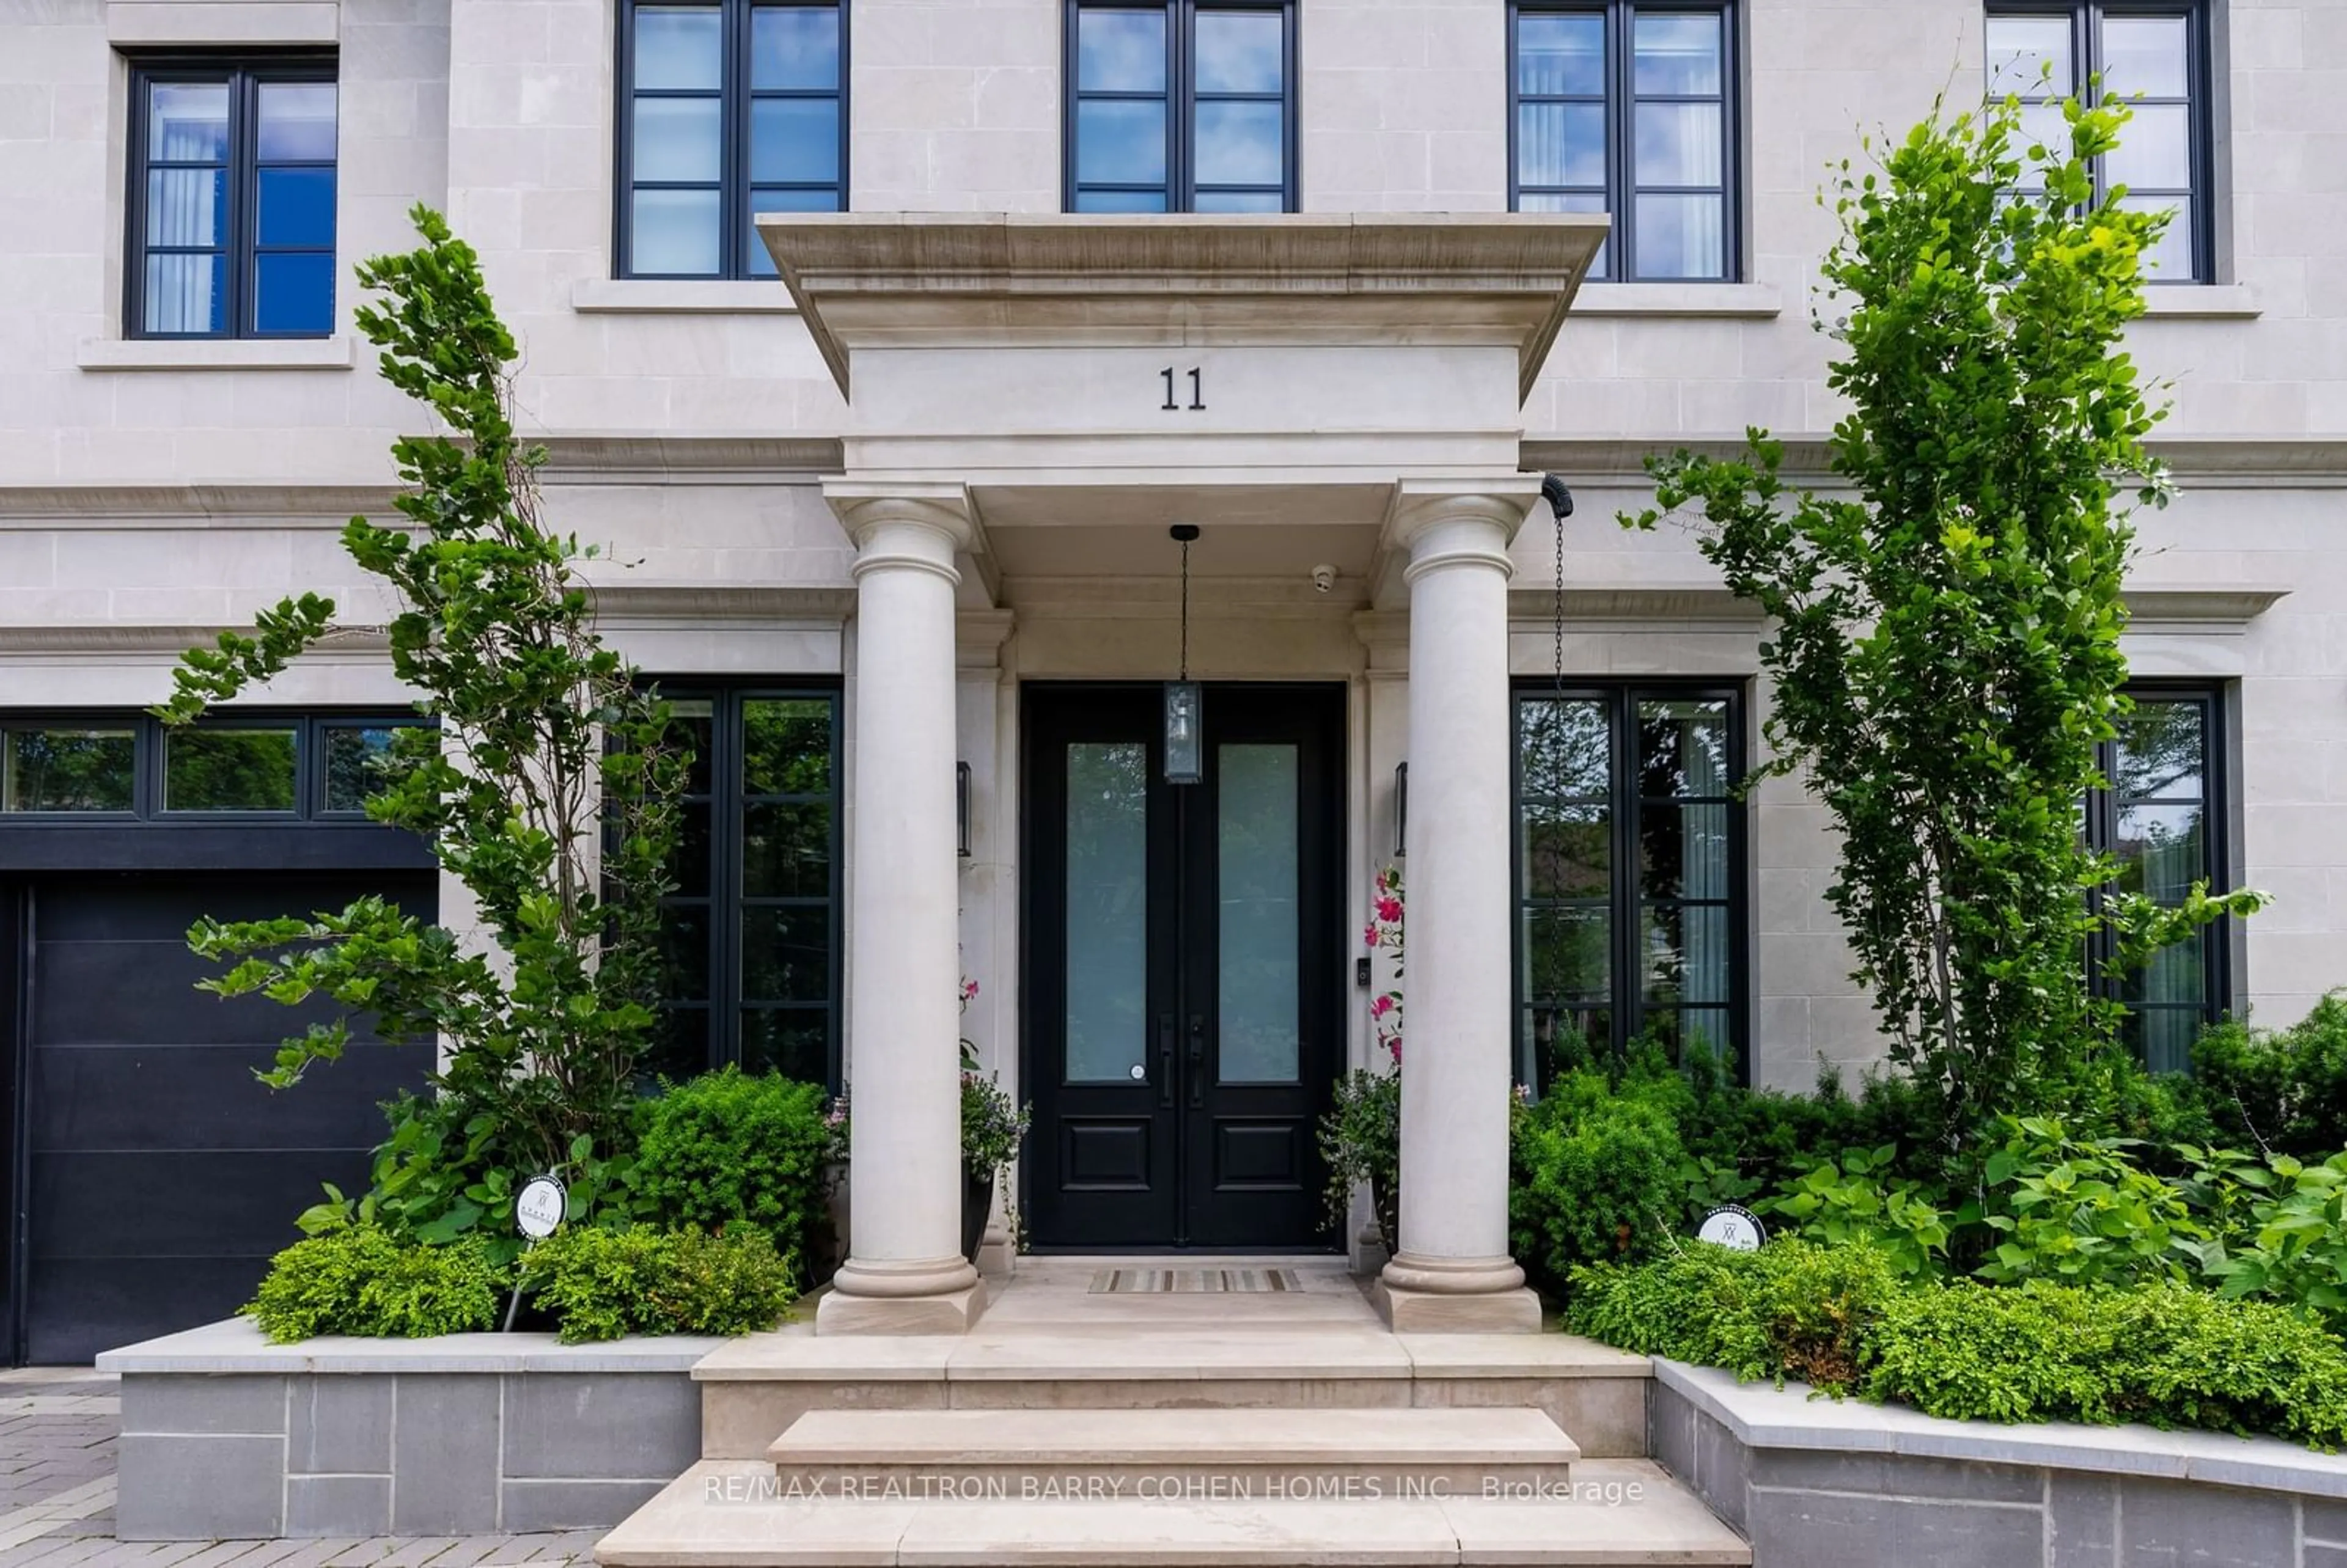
1194	1281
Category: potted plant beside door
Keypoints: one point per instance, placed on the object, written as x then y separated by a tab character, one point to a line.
993	1126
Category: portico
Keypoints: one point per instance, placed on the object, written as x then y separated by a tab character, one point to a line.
1032	401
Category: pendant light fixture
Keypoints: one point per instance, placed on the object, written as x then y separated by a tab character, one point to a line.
1185	751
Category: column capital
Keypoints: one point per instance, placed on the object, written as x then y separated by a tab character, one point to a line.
866	508
1420	504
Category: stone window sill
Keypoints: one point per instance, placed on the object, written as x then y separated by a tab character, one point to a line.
217	353
684	297
2202	301
1713	302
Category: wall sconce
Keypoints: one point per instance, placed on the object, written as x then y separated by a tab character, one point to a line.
961	807
1401	810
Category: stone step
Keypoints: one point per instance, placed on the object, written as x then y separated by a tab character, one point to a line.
755	1387
733	1513
1261	1454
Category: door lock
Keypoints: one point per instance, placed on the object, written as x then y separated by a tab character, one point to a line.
1197	1061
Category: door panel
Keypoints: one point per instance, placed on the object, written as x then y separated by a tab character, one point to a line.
1183	984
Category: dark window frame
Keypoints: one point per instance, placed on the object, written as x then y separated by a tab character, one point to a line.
2085	19
244	72
2216	801
149	739
1625	899
1621	98
1180	100
735	97
726	799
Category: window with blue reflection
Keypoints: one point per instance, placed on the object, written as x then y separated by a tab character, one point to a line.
233	200
1183	105
730	108
2150	55
1622	107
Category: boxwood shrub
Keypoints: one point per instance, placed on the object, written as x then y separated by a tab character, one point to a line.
1838	1318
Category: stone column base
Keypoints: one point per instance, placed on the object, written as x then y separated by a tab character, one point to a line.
996	1256
1421	1295
952	1313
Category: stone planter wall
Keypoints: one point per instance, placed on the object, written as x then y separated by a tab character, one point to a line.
225	1436
1819	1484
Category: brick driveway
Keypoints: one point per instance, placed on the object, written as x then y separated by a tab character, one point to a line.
57	1426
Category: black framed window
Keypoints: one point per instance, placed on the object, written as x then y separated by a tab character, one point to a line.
1630	870
92	767
2164	820
753	928
727	109
231	209
1184	105
2154	55
1626	108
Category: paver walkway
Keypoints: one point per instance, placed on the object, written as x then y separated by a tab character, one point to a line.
57	1427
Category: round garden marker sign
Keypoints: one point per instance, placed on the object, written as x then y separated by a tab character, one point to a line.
1731	1225
540	1209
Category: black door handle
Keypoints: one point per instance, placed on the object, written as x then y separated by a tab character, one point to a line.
1197	1061
1165	1060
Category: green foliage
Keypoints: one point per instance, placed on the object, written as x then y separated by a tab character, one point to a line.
2081	1211
363	1280
993	1125
2159	1353
2280	1229
546	786
731	1147
2283	1090
1598	1168
441	1176
1360	1141
1945	643
1859	1198
1791	1309
1838	1318
606	1284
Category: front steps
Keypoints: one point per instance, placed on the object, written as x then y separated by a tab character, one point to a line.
728	1513
1173	1431
1260	1453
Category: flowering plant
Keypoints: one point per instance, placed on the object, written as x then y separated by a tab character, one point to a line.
1383	934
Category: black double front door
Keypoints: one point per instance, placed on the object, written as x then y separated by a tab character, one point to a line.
1184	980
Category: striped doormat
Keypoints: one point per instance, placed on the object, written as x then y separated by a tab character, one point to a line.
1192	1281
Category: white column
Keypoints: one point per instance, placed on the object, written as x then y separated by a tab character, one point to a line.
905	1273
1452	1272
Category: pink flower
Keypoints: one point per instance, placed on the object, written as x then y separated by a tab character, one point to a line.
1368	936
1390	910
1382	1006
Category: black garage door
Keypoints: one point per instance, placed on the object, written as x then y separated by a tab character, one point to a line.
159	1174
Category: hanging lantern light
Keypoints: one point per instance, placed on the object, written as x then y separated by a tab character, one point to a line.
1185	751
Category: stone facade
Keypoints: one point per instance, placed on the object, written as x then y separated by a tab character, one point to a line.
147	489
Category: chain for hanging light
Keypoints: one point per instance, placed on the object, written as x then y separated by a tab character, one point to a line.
1559	505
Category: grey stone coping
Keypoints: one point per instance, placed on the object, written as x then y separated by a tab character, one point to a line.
1763	1416
235	1345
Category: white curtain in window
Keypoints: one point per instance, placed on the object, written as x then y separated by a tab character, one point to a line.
183	208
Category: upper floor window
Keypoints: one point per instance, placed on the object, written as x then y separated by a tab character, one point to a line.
1187	105
727	109
2162	820
2151	54
1629	872
231	200
1625	107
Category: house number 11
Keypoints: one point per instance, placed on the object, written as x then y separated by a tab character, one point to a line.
1197	392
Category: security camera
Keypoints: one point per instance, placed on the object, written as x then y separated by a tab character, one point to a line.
1324	578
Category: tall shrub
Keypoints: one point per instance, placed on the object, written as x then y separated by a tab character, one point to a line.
545	788
1945	642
